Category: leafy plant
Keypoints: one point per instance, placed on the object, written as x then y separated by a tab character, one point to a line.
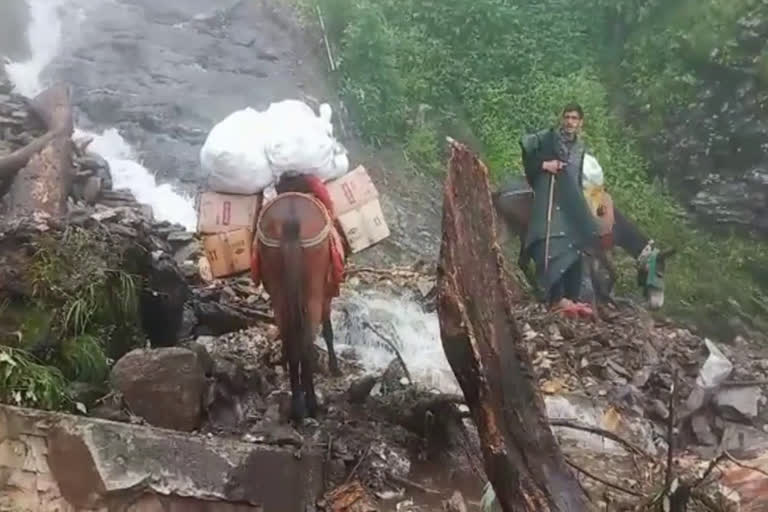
24	381
83	310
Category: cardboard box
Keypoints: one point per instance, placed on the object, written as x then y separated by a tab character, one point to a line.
364	226
217	213
355	200
228	253
352	190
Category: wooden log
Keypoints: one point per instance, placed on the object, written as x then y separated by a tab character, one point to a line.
44	182
484	347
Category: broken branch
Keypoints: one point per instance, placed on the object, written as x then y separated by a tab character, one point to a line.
601	432
391	345
606	483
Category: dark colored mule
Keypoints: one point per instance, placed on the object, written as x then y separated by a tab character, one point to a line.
513	203
292	244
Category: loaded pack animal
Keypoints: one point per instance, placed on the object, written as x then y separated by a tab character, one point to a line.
297	255
513	203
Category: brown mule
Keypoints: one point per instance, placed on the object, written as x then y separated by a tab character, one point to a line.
513	204
292	257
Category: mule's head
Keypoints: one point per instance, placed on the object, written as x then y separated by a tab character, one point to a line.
651	265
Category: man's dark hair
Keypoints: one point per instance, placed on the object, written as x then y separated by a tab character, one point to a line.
574	107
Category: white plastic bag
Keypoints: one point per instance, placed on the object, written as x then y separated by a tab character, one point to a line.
592	172
716	369
233	154
302	142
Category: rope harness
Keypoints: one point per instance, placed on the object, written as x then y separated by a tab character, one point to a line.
305	243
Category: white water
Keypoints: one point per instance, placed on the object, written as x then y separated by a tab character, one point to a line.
127	172
414	332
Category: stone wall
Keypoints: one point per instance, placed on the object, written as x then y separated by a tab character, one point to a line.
57	462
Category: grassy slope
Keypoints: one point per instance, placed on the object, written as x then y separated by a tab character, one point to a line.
413	70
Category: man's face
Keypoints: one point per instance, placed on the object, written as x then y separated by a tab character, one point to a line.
571	122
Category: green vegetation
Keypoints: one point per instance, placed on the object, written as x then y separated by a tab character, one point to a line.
412	71
82	311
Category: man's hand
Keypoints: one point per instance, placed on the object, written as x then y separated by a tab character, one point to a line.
553	166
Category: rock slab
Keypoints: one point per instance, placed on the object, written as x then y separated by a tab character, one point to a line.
52	461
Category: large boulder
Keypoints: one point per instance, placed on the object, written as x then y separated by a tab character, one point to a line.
165	386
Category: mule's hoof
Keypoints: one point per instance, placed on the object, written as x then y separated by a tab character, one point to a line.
335	372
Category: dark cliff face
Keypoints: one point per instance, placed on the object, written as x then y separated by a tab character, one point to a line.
713	152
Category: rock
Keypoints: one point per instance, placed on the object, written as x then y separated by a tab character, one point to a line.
164	386
92	189
702	429
180	237
162	301
75	463
188	251
740	400
350	497
456	503
220	318
360	389
203	357
188	322
93	161
393	376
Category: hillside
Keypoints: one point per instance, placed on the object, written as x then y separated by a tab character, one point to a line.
411	72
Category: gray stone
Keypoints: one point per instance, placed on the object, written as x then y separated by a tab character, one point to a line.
92	189
164	386
72	462
188	251
742	400
180	237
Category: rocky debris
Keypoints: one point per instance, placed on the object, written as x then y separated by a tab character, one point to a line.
65	463
351	497
631	360
164	386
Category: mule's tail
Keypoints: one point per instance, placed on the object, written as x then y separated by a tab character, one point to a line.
293	284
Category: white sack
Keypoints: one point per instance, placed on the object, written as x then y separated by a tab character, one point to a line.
302	142
592	172
233	154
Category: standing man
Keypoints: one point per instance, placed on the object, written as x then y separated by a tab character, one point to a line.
554	158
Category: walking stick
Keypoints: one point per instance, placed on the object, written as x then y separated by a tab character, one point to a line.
549	220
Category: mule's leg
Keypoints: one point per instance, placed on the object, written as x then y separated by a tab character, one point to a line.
307	377
297	391
524	260
333	363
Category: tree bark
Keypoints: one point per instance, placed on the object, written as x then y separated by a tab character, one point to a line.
44	166
483	345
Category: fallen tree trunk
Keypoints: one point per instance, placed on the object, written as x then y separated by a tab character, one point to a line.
43	169
483	345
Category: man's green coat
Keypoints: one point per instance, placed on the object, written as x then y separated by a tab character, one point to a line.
573	228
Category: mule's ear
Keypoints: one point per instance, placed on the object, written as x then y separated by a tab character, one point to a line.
667	253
